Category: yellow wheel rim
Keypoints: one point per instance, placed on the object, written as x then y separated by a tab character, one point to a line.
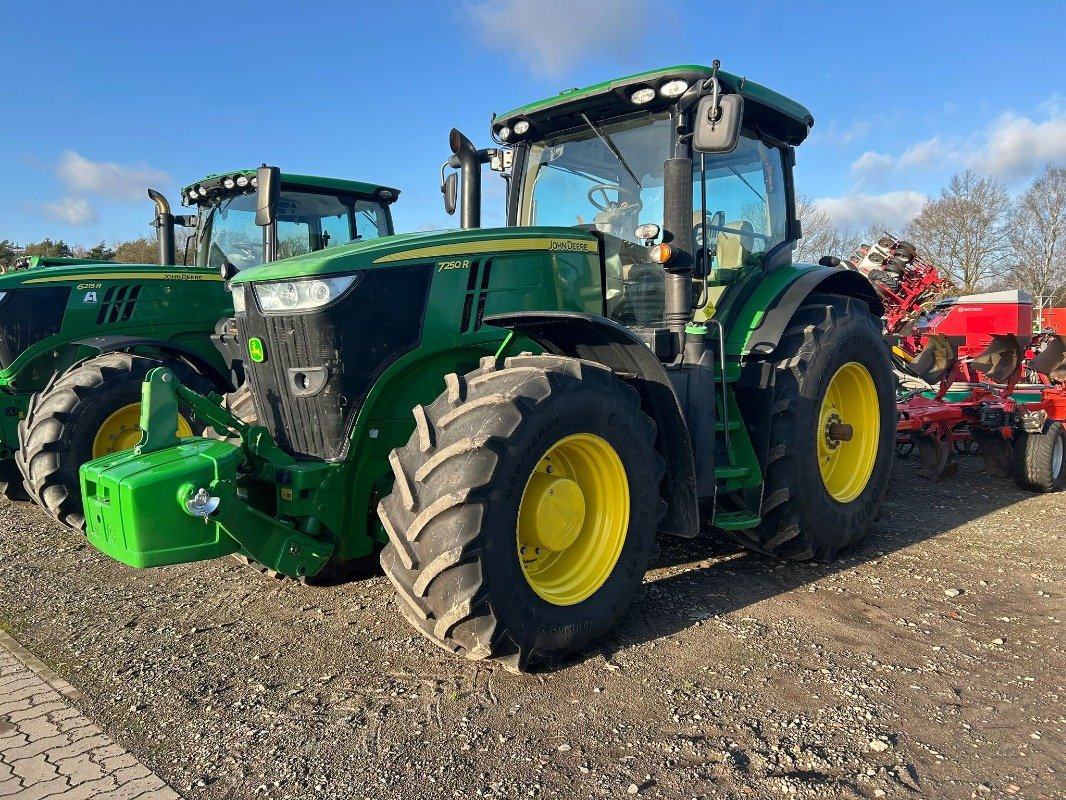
849	429
573	519
122	431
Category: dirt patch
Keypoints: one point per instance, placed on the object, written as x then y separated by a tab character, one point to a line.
927	662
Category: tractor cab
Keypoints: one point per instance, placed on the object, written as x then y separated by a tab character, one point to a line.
309	214
597	160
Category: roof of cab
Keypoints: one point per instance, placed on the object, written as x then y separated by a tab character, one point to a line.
312	181
789	120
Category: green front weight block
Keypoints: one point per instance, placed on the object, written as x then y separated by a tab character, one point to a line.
181	504
133	510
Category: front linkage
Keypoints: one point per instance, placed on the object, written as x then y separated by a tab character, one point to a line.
134	516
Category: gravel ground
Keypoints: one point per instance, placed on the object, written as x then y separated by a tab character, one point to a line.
927	662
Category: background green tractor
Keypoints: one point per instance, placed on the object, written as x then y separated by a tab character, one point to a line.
78	337
688	377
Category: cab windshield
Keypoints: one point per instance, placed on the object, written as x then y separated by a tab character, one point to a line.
307	221
609	179
607	176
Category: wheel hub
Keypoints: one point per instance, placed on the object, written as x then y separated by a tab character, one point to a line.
572	519
553	511
847	450
122	431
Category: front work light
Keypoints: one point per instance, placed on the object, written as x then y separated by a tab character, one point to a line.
505	133
642	96
521	127
674	88
242	180
301	295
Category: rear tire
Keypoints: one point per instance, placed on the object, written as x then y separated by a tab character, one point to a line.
1038	462
63	421
453	518
801	519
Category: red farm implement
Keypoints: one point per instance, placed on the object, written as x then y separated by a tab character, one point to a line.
908	284
997	389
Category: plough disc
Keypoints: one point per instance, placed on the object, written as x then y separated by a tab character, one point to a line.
936	454
995	450
1051	361
1001	359
935	361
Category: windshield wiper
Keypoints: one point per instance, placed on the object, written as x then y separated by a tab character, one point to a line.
734	171
610	146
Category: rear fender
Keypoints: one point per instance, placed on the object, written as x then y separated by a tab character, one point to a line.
598	339
769	316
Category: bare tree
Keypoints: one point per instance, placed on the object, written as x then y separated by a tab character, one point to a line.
965	230
1038	236
820	234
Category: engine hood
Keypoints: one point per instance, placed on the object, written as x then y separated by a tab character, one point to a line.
412	248
96	272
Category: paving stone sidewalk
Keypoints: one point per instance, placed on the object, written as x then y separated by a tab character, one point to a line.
48	749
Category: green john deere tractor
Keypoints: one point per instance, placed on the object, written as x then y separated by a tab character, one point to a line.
78	337
687	376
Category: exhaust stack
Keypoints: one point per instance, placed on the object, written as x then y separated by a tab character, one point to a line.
164	225
467	159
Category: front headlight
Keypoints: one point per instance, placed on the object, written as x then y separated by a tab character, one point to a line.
301	295
238	298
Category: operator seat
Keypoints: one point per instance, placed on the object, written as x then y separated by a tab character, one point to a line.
731	254
734	248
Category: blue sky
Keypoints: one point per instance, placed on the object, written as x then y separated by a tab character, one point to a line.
101	103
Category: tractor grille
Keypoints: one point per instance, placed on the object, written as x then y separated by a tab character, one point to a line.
28	316
118	304
319	366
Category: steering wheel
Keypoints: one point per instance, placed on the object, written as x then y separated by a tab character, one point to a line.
603	188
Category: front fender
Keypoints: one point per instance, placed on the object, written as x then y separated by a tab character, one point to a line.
598	339
99	345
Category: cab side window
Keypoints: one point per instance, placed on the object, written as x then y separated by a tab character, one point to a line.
747	212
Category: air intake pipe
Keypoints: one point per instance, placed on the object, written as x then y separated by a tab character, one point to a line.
468	159
164	225
677	232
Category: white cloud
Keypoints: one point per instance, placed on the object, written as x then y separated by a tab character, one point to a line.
924	154
107	178
893	209
1016	147
551	36
872	164
71	210
1011	148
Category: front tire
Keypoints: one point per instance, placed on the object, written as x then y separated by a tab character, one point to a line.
822	493
525	510
91	410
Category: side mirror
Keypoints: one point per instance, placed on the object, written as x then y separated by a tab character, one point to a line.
718	126
268	189
450	190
